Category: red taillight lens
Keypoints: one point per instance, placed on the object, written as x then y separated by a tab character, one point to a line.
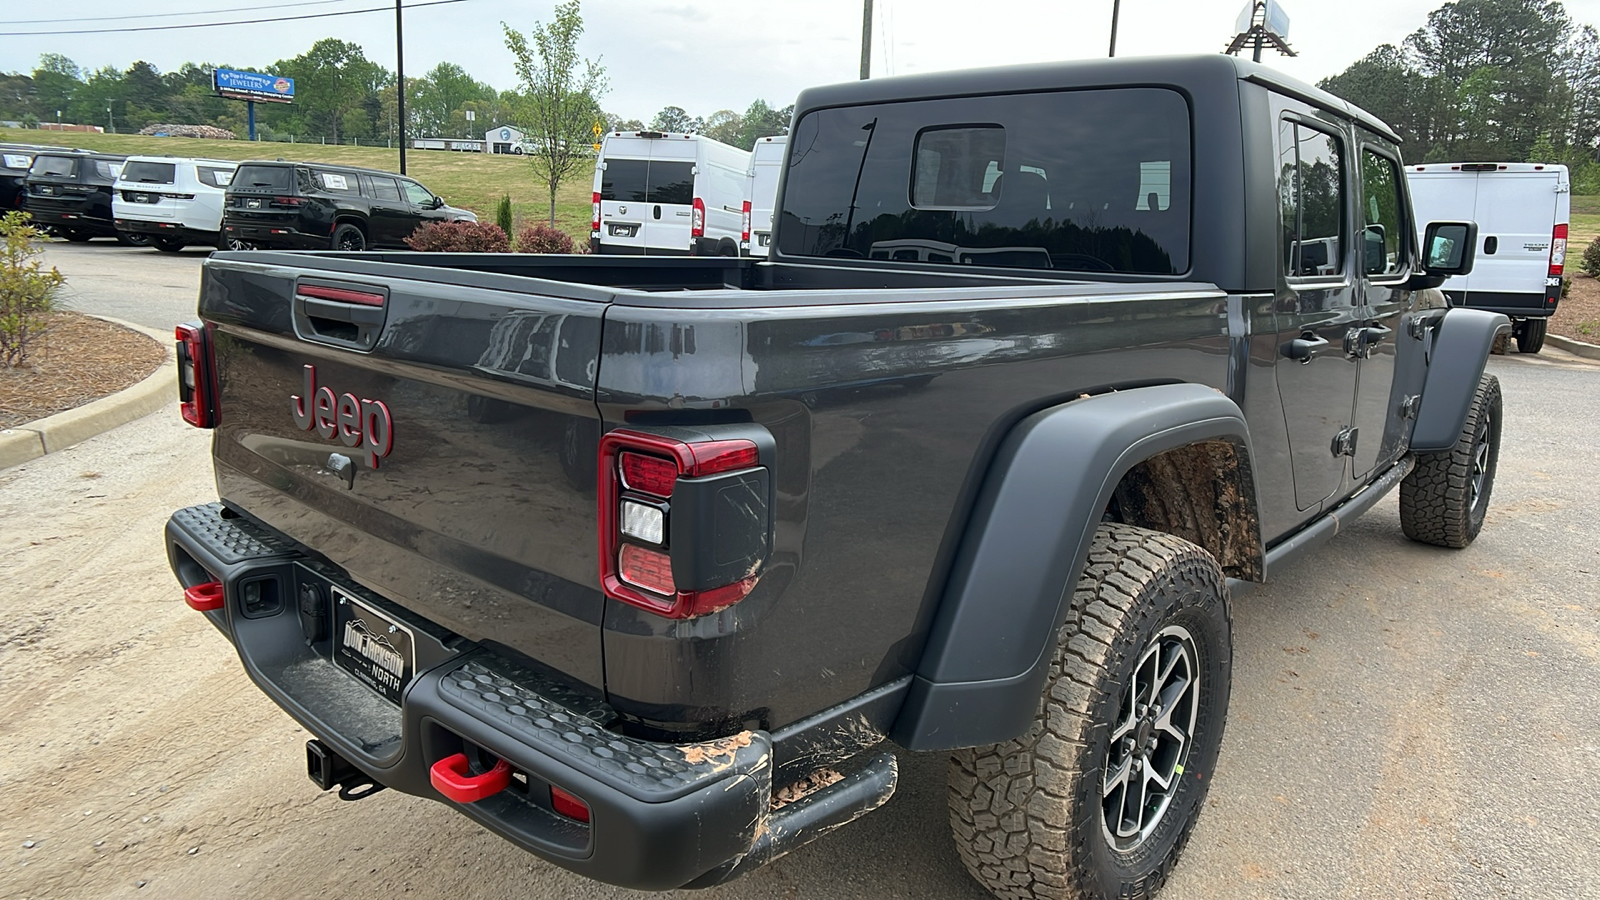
568	805
1558	251
744	228
701	565
697	227
594	224
650	474
287	201
197	379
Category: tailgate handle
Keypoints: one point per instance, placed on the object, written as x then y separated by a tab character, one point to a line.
341	315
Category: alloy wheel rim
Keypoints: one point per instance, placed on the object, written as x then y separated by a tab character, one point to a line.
1150	739
1480	466
352	241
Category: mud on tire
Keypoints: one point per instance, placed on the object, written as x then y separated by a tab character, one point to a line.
1034	818
1444	499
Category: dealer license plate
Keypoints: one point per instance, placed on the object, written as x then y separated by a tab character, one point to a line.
624	230
375	649
252	204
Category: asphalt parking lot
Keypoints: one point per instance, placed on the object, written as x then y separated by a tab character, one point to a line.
1406	721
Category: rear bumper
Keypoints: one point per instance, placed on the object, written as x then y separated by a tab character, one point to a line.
69	217
1516	304
166	229
276	237
661	815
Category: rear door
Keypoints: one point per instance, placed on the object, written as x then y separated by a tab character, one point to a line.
670	225
147	190
391	219
1516	215
1385	267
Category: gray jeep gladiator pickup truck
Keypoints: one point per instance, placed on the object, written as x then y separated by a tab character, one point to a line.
651	566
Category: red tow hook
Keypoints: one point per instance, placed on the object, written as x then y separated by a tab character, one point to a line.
450	777
204	597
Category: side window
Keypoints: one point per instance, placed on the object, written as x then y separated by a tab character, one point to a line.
380	188
1383	236
417	194
337	181
215	177
1311	199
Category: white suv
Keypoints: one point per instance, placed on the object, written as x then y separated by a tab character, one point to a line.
174	201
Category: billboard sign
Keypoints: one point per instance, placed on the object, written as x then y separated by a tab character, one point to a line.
252	86
1274	19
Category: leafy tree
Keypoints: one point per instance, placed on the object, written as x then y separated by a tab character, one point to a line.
333	78
561	94
674	119
760	121
724	125
55	82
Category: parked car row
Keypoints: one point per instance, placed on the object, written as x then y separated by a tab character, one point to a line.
669	194
173	202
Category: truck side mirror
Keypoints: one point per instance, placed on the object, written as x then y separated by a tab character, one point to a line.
1448	248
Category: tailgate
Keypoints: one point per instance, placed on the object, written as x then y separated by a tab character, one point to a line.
435	440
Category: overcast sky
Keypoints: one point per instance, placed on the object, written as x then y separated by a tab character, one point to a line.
709	56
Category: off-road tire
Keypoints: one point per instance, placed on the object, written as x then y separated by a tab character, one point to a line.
1028	815
349	237
1444	499
1530	336
133	239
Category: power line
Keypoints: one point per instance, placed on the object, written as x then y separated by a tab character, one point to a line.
203	12
347	12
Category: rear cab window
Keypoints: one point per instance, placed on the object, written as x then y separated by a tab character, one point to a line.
998	182
54	166
264	179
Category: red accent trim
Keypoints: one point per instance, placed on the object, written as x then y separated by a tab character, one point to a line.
204	597
340	295
451	777
197	400
697	220
568	804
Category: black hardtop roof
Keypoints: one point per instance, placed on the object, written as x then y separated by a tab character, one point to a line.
335	167
1198	72
83	154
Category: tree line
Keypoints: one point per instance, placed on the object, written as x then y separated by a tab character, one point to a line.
1489	81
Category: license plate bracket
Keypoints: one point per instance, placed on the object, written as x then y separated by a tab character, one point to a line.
372	646
624	230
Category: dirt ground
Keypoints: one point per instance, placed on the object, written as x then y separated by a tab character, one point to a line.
78	359
1578	314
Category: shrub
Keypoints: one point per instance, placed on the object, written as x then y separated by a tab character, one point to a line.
502	214
1591	259
1566	287
27	291
459	237
541	238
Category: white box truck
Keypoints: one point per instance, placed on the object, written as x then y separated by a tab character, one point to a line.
1522	211
665	194
766	164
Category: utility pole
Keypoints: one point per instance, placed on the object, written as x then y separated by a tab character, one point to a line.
866	39
110	126
1116	10
400	76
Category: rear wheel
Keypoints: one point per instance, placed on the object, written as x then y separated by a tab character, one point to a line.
1098	798
1530	335
1444	499
133	239
169	245
77	237
226	242
349	237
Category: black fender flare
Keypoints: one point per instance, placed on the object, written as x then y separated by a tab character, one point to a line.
993	635
1456	361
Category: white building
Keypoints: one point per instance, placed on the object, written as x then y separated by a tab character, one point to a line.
506	139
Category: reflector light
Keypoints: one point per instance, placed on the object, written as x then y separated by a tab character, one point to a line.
646	523
1558	250
650	474
649	569
568	805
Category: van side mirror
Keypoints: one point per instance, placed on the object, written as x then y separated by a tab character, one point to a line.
1448	248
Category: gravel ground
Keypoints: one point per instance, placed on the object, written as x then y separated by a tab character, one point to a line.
1406	721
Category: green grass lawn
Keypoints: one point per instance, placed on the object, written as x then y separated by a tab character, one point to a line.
1585	225
474	181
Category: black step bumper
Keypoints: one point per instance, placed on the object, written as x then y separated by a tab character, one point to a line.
661	815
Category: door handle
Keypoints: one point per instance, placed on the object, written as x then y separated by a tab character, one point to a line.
1303	347
1374	334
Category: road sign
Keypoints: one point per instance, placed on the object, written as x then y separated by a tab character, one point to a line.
597	129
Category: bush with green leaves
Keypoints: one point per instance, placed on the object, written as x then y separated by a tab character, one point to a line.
541	238
27	289
1590	264
502	214
459	237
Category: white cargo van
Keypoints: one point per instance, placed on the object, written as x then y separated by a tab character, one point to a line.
1522	210
664	194
171	201
766	164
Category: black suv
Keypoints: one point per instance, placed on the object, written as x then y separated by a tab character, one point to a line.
69	192
14	162
307	206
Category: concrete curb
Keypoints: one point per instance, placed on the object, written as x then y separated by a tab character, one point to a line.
60	431
1576	348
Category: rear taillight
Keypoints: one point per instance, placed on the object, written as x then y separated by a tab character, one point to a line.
594	222
197	376
697	227
1558	250
290	202
744	224
684	524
